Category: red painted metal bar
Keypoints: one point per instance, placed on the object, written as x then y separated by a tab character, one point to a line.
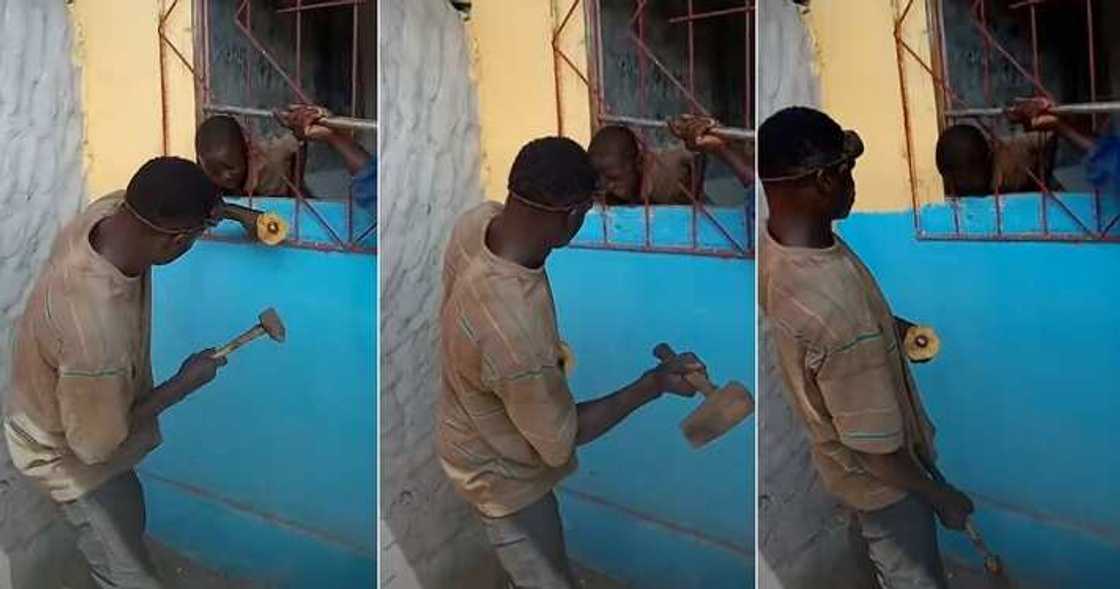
1046	192
694	16
300	7
601	113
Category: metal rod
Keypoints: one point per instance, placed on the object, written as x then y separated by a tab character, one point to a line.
306	7
725	132
691	16
1062	109
339	122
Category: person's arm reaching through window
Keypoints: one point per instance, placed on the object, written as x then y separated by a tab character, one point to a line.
696	134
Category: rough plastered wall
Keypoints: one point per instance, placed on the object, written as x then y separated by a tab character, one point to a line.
803	534
41	187
430	162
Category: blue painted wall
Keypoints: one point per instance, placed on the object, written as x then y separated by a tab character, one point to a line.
268	472
644	507
1024	393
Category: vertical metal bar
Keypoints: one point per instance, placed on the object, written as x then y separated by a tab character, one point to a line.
641	16
905	95
691	54
1090	29
162	75
988	100
354	44
1034	43
749	52
1092	56
556	83
299	43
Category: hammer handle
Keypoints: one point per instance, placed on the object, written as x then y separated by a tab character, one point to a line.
695	378
250	335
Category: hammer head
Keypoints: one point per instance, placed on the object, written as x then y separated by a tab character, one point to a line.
720	411
272	325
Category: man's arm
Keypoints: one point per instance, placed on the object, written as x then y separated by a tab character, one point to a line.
303	121
94	401
857	385
198	370
599	416
1036	114
697	136
899	470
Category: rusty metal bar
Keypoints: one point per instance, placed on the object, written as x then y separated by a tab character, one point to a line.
335	121
1084	108
306	7
694	16
725	132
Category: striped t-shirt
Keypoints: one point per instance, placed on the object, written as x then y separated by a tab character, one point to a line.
505	419
81	360
844	369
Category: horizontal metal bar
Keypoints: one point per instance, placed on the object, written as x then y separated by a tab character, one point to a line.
1062	109
338	122
307	7
712	14
725	132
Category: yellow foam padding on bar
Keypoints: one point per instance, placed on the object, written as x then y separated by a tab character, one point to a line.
921	343
271	228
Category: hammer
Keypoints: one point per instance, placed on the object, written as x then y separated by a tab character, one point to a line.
269	324
992	562
722	409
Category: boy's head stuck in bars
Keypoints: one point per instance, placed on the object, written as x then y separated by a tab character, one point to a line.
974	163
243	165
223	152
805	162
616	155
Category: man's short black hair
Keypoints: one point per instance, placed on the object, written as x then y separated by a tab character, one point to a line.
553	171
218	131
172	193
617	139
795	139
962	147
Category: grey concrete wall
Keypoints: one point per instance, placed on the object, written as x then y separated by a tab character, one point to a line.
804	536
430	172
41	187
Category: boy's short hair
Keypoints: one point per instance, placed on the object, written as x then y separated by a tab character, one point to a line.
172	193
797	138
962	147
217	131
553	171
615	138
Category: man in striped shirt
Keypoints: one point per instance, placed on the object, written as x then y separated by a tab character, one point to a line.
506	423
83	409
840	355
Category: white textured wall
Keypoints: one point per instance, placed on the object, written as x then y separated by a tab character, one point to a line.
41	187
430	162
804	536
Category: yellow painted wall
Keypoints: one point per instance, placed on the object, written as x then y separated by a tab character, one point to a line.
858	68
117	49
515	72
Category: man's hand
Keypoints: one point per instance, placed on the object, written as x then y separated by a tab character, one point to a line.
669	376
696	134
952	507
199	369
1034	114
303	121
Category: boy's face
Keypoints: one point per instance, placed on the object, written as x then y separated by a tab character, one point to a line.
973	180
227	166
619	176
